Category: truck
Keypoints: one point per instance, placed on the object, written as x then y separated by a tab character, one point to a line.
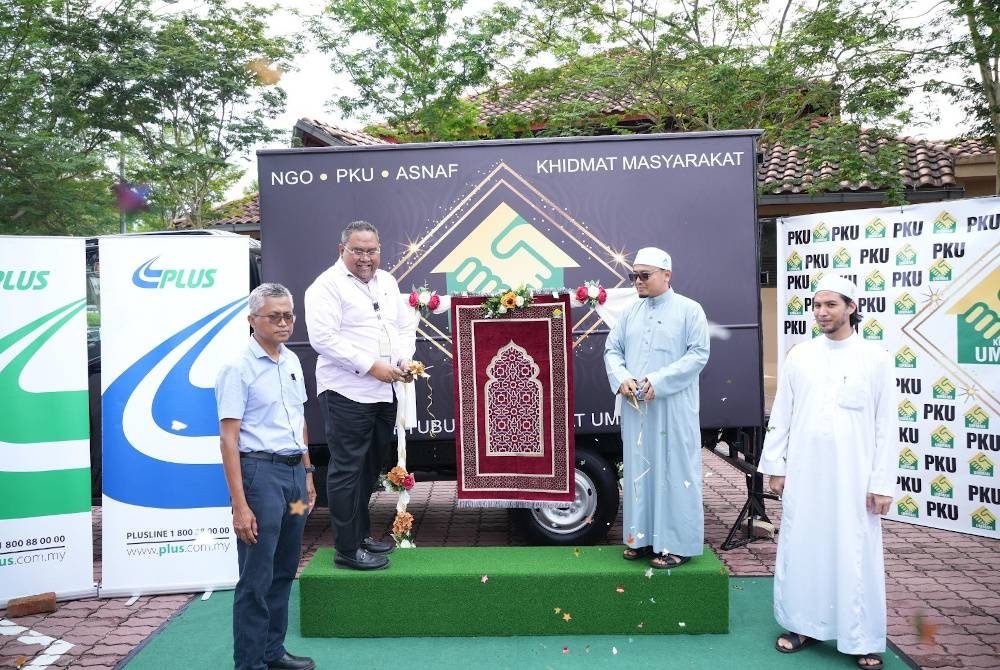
549	214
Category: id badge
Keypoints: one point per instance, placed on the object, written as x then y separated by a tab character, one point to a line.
384	346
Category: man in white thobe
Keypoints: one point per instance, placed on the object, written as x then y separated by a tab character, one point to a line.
830	454
653	357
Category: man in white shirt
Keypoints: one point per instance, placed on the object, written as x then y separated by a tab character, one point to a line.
830	453
365	341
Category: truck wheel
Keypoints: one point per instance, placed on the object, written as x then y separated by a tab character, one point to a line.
588	518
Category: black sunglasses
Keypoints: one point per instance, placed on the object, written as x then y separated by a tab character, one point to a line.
644	276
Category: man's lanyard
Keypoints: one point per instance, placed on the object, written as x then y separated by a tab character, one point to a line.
384	342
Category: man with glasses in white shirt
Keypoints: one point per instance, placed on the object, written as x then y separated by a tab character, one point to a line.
653	357
365	340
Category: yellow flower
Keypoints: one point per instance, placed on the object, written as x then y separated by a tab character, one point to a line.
508	300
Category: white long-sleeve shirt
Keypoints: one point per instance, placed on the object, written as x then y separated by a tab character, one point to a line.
349	333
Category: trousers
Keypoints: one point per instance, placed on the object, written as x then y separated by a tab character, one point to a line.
359	437
267	569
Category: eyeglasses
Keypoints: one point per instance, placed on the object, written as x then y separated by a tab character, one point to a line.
644	276
361	253
278	318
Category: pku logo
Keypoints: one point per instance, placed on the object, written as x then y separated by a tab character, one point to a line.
146	276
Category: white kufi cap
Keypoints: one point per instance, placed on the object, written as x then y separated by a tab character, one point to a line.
837	284
658	258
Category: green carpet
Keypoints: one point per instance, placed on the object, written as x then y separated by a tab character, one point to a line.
201	637
477	591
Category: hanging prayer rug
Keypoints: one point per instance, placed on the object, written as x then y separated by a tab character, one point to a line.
514	403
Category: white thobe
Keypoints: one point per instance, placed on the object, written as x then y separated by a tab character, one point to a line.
830	435
665	340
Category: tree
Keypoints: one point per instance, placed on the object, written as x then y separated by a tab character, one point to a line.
413	60
85	84
823	76
62	66
212	77
978	50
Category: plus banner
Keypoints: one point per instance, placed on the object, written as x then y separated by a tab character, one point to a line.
928	281
45	524
173	310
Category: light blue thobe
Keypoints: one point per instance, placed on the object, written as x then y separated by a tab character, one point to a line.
664	339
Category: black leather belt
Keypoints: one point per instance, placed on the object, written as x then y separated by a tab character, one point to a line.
274	458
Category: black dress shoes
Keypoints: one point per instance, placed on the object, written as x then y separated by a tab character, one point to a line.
360	560
291	662
374	546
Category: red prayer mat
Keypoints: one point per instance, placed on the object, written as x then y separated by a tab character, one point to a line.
513	403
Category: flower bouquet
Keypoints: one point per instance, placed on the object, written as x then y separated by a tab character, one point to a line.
507	300
591	294
402	530
400	481
424	300
397	480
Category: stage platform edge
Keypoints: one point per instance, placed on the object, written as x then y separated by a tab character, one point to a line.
502	591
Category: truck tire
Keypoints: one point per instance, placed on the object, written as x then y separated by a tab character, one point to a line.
588	518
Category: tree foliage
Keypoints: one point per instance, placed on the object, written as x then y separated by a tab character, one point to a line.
412	61
976	52
826	75
86	84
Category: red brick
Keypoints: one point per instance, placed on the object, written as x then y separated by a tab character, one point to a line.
36	604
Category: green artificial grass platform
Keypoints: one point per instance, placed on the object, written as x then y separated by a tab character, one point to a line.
501	591
200	636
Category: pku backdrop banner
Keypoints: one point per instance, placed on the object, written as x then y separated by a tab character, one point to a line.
45	524
173	310
929	289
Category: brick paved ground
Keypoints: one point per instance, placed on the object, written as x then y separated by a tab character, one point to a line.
935	578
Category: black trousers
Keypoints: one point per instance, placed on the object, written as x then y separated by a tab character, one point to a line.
359	436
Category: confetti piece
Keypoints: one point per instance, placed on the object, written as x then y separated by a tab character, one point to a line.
619	589
640	535
261	68
557	610
926	629
687	484
649	573
630	539
20	662
642	624
565	650
484	579
652	600
576	552
682	624
567	616
586	649
614	651
297	508
589	520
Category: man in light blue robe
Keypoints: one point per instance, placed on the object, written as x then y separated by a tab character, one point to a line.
653	357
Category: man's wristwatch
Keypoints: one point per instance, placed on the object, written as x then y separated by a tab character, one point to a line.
310	468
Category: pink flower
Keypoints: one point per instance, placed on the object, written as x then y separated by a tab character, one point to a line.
434	302
602	296
581	294
414	301
409	481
